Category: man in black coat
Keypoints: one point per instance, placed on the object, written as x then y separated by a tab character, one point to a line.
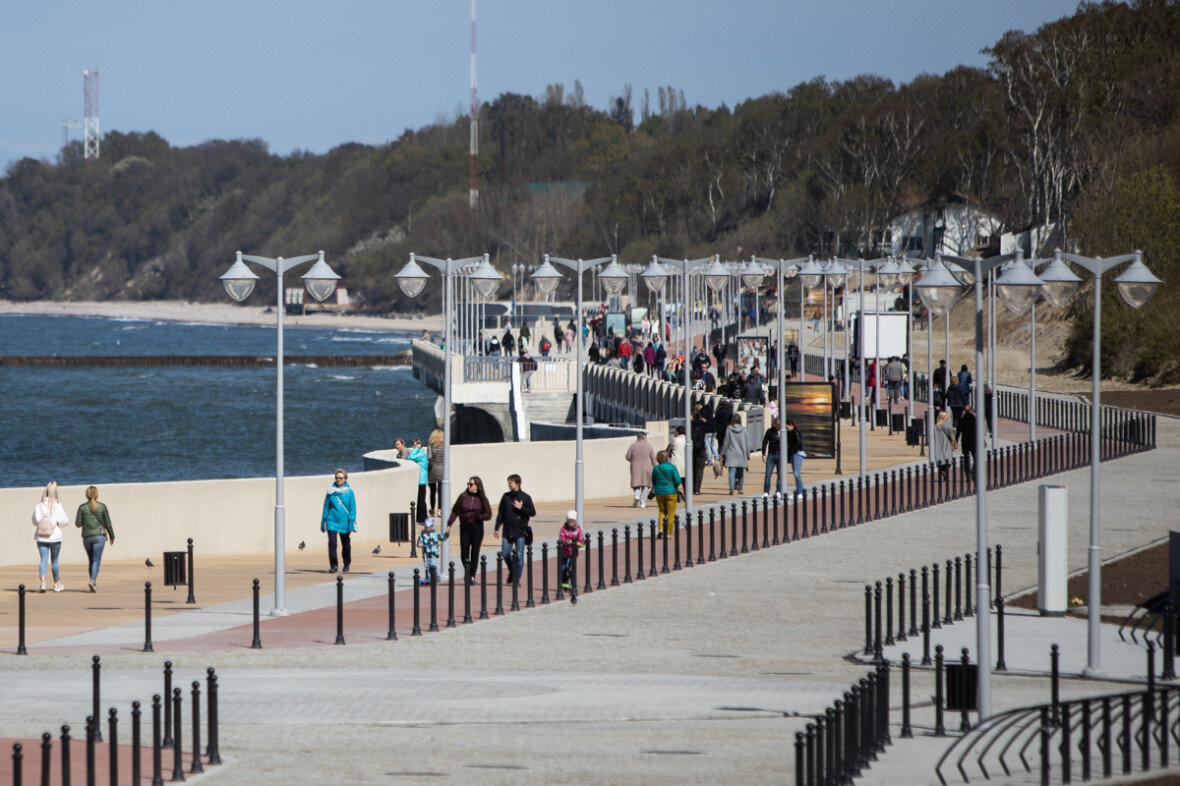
965	433
516	508
700	431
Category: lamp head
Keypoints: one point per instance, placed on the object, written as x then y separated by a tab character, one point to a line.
320	279
1060	283
485	278
1137	284
411	279
546	277
238	280
613	277
655	276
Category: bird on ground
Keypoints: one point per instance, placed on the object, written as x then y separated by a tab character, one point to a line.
302	545
148	562
378	549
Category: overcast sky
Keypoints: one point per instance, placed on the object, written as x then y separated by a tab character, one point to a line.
312	75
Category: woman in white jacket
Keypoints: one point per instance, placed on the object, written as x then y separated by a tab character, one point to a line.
48	518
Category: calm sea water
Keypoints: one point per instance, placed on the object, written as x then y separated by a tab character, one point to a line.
104	425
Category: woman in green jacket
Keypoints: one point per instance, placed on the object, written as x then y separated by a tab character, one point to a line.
95	523
665	482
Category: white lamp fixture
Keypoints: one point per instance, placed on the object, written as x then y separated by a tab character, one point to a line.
1019	288
716	276
320	279
485	279
811	274
887	274
752	275
836	274
613	277
655	277
938	289
411	279
1137	284
546	277
239	280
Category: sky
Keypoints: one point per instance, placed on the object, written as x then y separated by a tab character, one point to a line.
303	75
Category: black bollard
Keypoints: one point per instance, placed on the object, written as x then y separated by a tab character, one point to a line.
589	585
1001	665
391	634
774	517
627	553
601	558
136	743
1169	622
65	756
868	620
157	744
91	734
733	529
939	726
191	597
432	577
676	541
468	580
901	634
906	730
948	581
417	629
745	550
451	592
968	610
889	611
95	678
958	588
529	603
877	651
640	573
20	646
823	512
936	621
167	702
147	617
339	610
545	574
713	533
46	757
766	522
213	749
688	562
664	548
177	753
483	586
499	610
722	553
257	643
614	557
913	631
574	575
196	763
515	591
964	719
1054	679
652	572
999	589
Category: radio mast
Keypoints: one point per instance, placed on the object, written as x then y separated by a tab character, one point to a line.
473	188
90	110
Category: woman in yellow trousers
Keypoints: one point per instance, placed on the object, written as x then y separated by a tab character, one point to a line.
665	484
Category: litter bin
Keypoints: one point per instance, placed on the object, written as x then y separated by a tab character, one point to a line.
845	409
913	434
961	686
399	527
898	421
882	417
174	568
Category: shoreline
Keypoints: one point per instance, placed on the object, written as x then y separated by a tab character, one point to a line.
178	311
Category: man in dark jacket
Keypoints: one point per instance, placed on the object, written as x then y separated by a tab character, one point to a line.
752	391
516	508
965	433
700	430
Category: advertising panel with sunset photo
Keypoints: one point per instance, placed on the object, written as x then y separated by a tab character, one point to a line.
812	405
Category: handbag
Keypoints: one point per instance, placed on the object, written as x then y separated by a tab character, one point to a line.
528	534
651	494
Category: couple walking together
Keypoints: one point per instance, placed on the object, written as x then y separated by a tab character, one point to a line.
472	509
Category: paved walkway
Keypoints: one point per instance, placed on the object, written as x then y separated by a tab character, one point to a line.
698	675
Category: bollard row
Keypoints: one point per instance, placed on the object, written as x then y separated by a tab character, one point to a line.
846	737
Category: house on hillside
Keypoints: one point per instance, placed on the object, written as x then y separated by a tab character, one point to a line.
1036	241
957	225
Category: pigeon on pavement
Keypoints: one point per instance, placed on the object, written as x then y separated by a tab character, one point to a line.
148	562
302	545
378	549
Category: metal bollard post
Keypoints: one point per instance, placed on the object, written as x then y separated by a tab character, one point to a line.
257	643
177	753
688	537
901	634
1045	731
627	553
499	610
157	744
136	745
877	651
713	533
147	617
91	740
745	550
213	749
889	611
676	540
913	631
774	517
1054	679
968	611
167	702
574	574
65	755
413	531
191	597
868	620
823	512
20	647
432	579
733	529
925	628
529	603
391	634
483	586
196	765
906	730
964	719
451	592
1001	665
589	584
948	581
340	609
113	742
417	629
601	558
640	573
722	554
958	588
999	590
939	726
614	557
95	679
652	571
766	523
545	574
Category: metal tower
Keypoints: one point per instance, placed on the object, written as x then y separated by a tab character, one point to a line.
473	188
90	107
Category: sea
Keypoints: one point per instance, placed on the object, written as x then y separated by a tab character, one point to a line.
125	424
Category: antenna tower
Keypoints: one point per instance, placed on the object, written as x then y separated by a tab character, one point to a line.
90	110
473	189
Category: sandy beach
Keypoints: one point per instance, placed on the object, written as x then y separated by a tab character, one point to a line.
216	313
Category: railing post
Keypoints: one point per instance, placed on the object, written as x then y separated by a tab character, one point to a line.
964	714
901	635
936	620
906	730
196	765
878	652
340	609
95	680
20	646
712	535
451	589
417	629
602	556
939	726
1054	688
1001	664
256	644
544	575
889	611
652	572
913	631
177	753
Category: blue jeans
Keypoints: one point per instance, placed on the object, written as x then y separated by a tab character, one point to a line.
736	476
49	551
513	551
797	469
771	466
94	546
711	453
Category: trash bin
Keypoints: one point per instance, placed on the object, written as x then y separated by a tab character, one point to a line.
882	417
399	527
913	434
961	686
845	409
898	421
174	568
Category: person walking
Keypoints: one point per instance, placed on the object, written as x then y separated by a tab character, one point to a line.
699	453
472	509
770	447
793	358
95	522
942	444
965	434
48	518
419	456
956	398
568	540
516	508
965	379
339	519
666	482
894	374
795	455
642	458
436	468
735	451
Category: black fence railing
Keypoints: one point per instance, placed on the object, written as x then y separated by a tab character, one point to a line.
157	752
842	741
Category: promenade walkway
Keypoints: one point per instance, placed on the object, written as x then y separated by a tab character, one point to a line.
701	675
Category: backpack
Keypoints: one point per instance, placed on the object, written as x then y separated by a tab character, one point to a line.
45	527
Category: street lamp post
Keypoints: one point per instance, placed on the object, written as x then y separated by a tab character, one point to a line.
239	282
411	279
1136	285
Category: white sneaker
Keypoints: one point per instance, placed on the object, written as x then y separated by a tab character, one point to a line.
42	586
59	587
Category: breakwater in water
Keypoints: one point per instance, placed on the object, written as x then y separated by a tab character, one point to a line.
229	361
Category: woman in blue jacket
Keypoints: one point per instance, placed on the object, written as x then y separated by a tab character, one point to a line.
339	519
419	456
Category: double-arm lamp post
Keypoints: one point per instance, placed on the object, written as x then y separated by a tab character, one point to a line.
412	279
239	282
